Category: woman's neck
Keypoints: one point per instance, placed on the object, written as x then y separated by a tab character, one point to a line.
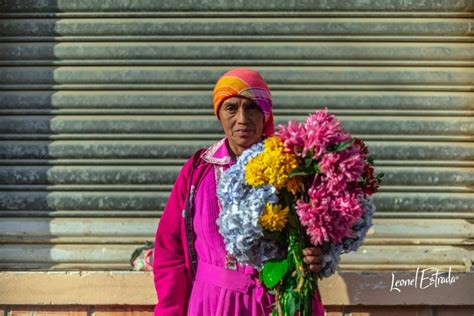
235	150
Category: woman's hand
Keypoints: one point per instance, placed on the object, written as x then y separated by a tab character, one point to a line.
312	257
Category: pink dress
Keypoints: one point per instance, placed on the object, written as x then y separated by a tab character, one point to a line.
218	290
213	289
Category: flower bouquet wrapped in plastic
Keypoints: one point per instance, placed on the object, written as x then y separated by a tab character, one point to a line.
307	185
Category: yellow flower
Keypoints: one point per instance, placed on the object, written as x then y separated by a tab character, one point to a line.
274	217
271	166
294	185
273	143
254	171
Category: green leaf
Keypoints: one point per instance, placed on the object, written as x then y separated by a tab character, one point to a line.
370	161
296	173
341	146
316	168
379	177
273	271
291	304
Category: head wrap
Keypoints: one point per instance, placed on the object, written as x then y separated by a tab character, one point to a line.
246	83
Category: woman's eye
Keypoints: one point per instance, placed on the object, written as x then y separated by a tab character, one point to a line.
253	107
231	108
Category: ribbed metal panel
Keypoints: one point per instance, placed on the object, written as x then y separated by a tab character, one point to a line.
101	102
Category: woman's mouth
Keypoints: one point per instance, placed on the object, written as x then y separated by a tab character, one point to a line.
243	132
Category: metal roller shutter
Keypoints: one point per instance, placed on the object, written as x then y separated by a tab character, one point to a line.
101	102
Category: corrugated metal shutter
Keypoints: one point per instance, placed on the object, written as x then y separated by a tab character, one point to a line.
101	102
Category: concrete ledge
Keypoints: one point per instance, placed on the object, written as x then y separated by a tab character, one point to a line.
136	288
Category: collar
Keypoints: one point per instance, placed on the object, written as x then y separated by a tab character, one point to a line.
218	153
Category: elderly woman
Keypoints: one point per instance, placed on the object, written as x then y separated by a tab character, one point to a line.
192	273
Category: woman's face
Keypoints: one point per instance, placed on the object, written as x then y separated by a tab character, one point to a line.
242	121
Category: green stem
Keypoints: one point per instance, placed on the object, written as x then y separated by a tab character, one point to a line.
278	305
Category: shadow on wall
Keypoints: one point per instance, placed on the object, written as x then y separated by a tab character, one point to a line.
67	194
26	103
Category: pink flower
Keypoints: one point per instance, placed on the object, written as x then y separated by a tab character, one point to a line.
340	168
148	260
371	185
330	213
361	147
293	136
322	130
333	207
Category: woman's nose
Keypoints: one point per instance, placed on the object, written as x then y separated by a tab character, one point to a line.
242	115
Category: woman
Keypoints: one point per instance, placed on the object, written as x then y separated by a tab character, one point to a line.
192	273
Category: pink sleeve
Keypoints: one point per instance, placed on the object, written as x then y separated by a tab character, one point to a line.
169	267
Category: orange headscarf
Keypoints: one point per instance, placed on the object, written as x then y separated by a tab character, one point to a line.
246	83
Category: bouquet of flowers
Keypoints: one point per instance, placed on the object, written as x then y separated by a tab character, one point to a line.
307	185
142	257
